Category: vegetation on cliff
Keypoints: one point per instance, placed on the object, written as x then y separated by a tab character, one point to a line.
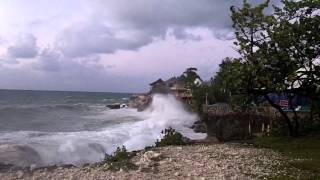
171	137
120	160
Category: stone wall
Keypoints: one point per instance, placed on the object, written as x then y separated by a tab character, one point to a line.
235	126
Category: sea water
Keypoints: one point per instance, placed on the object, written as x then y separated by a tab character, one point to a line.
77	127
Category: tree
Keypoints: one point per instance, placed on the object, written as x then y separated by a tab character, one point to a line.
280	51
227	82
190	77
193	81
299	24
199	95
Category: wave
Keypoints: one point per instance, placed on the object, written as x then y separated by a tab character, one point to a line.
78	106
30	109
89	146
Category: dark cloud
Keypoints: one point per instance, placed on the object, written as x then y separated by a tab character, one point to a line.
49	60
24	47
96	38
155	14
182	34
158	15
142	21
75	60
52	60
224	34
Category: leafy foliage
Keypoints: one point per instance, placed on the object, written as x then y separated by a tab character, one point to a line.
199	97
171	137
190	76
280	52
119	160
227	84
225	87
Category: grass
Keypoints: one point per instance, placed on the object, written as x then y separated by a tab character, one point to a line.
304	153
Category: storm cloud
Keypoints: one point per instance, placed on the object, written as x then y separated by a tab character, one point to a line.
24	47
110	45
87	39
130	25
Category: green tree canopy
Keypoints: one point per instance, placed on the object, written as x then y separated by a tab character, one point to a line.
280	51
190	76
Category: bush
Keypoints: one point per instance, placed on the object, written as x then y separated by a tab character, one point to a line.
119	160
171	137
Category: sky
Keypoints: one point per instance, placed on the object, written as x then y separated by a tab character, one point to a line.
110	45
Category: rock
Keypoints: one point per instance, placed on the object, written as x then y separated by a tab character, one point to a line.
152	155
71	177
33	167
113	106
200	128
148	160
198	161
140	102
20	174
162	162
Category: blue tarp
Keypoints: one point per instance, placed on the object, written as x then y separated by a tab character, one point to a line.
302	103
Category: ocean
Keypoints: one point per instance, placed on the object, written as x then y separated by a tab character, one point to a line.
54	127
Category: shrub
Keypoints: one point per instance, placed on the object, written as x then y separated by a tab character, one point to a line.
119	160
171	137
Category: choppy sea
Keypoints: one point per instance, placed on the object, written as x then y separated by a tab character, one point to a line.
77	127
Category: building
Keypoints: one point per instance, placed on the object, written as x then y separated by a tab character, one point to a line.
181	93
172	86
159	87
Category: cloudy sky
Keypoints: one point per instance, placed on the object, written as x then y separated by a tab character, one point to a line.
110	45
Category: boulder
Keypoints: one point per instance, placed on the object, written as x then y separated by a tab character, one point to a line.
199	127
114	106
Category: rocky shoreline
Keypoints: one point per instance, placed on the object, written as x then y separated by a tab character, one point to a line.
197	161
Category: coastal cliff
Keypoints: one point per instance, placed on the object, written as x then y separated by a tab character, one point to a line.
140	102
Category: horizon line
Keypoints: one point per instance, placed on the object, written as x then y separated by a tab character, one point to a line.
8	89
